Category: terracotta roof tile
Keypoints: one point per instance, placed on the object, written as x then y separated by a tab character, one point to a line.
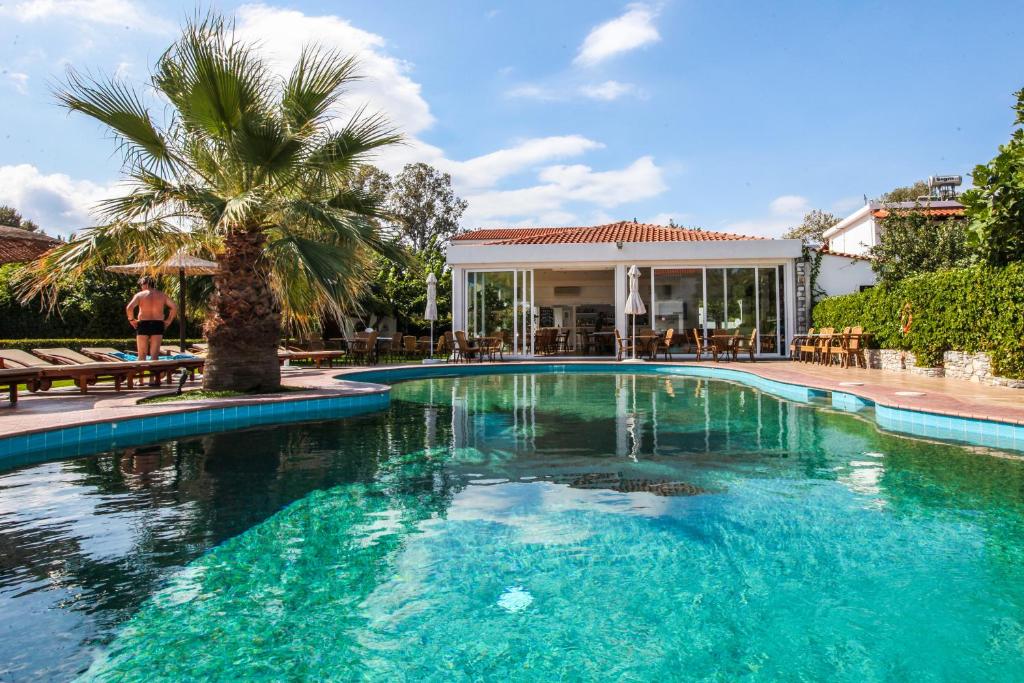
940	211
623	231
17	245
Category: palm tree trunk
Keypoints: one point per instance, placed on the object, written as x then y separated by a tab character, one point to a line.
244	326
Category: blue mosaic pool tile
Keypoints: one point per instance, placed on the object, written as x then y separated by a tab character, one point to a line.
848	402
86	439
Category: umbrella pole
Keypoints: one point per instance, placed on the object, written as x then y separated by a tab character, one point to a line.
431	338
181	307
633	345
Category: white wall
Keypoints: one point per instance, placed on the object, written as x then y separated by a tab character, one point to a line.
843	275
857	238
596	287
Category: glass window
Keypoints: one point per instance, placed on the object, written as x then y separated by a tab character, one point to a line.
716	300
679	300
768	313
741	306
781	281
490	304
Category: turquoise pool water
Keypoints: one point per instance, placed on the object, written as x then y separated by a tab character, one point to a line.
523	527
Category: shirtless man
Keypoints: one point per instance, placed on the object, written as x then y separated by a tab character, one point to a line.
150	324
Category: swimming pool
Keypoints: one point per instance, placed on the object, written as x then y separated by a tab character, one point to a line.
523	527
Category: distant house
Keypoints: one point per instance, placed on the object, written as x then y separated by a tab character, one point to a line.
19	246
861	230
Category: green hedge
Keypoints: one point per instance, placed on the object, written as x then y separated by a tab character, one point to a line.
122	344
968	309
93	307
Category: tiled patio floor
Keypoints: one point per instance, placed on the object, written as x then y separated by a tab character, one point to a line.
66	407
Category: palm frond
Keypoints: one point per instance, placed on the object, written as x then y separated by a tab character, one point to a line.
121	109
341	152
315	84
96	248
214	81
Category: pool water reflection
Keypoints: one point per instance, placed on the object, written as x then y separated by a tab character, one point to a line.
523	527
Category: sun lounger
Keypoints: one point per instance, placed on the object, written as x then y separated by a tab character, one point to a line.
12	377
104	354
81	375
156	368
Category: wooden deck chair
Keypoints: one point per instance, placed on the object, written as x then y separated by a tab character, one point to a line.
82	375
13	377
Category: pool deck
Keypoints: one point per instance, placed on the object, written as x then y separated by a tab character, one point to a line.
66	407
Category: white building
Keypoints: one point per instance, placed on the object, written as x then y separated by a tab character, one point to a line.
514	281
861	230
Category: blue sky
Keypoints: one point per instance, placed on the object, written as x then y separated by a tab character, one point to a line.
729	115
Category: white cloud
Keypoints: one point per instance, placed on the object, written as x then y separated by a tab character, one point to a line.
488	169
18	81
633	29
57	202
562	185
607	91
531	91
385	85
790	205
115	12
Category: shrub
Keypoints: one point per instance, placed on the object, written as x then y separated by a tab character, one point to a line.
967	309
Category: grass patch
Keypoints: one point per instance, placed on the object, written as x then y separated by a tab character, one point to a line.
196	394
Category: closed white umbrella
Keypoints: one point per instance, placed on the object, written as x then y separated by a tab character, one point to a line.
634	304
431	312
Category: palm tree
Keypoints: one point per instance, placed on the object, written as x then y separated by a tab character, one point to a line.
245	167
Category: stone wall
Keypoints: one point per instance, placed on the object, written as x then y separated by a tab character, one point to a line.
973	367
803	296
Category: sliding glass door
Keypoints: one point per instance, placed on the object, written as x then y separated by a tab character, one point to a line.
500	304
721	300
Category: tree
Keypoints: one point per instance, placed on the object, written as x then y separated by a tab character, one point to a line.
913	242
906	193
995	205
255	165
425	206
812	229
12	218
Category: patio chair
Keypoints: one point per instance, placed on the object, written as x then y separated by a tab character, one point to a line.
82	375
665	344
467	351
808	345
796	341
700	348
748	345
410	347
451	347
823	346
397	347
364	349
622	347
14	377
852	350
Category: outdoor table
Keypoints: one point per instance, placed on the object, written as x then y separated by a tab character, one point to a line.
724	343
606	340
648	342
